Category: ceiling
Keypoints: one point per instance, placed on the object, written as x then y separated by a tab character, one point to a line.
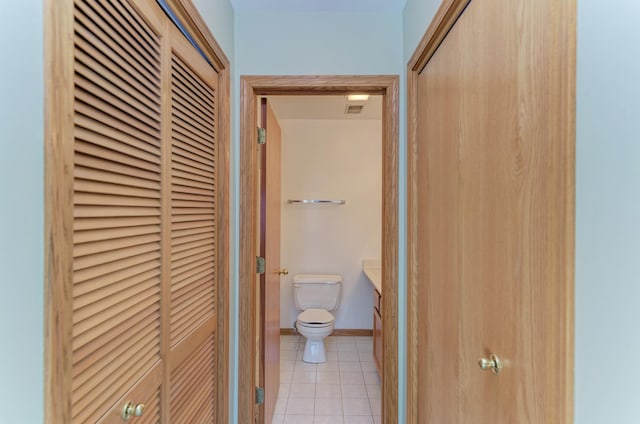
324	107
319	5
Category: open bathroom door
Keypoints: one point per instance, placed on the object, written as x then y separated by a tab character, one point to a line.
270	201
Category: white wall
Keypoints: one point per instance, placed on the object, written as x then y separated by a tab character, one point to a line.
218	15
417	16
331	159
332	43
608	213
21	213
321	43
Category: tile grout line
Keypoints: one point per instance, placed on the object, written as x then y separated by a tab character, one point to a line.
354	357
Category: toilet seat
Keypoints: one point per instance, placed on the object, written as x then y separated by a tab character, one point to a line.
315	318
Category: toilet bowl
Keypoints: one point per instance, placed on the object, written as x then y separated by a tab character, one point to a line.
315	295
315	325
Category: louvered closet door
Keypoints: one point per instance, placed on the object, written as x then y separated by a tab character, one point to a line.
193	185
116	320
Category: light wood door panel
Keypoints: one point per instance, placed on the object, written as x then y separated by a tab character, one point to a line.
116	324
135	284
493	216
192	277
270	201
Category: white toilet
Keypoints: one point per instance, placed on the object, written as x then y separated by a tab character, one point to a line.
315	295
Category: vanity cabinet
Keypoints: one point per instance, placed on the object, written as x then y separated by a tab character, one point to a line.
377	330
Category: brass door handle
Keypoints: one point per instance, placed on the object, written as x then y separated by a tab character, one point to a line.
493	363
131	410
284	271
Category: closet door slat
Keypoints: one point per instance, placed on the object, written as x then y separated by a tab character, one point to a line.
97	146
179	136
92	59
192	386
117	210
193	143
114	41
90	278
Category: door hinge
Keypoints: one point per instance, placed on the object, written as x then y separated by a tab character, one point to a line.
259	395
262	135
260	265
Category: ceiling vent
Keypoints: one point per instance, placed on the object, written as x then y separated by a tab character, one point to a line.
353	109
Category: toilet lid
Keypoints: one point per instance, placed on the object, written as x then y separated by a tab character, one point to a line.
316	316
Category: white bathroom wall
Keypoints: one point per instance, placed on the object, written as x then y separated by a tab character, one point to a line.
331	159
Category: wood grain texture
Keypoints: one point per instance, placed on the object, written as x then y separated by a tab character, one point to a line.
247	255
250	88
116	159
198	29
109	305
412	274
491	213
165	346
58	145
193	277
329	85
193	384
390	130
270	200
444	19
147	391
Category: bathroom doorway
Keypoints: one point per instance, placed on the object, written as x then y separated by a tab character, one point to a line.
253	88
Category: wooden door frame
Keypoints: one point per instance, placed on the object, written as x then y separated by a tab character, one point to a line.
59	163
250	88
444	19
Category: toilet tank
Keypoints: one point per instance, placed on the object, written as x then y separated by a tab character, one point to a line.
317	291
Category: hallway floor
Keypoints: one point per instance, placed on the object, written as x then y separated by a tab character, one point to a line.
343	390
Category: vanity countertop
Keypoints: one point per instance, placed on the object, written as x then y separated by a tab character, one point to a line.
372	268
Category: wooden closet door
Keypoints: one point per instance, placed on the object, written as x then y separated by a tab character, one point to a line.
117	196
493	220
191	271
145	219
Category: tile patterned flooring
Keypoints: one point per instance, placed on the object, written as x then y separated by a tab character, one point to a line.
343	390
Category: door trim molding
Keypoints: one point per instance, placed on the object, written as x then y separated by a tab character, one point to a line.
250	88
443	21
59	162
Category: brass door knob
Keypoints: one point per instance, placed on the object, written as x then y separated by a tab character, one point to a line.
493	363
131	410
284	271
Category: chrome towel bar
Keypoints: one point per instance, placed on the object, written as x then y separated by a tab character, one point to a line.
332	202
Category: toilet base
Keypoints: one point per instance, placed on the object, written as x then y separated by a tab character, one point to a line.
314	352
